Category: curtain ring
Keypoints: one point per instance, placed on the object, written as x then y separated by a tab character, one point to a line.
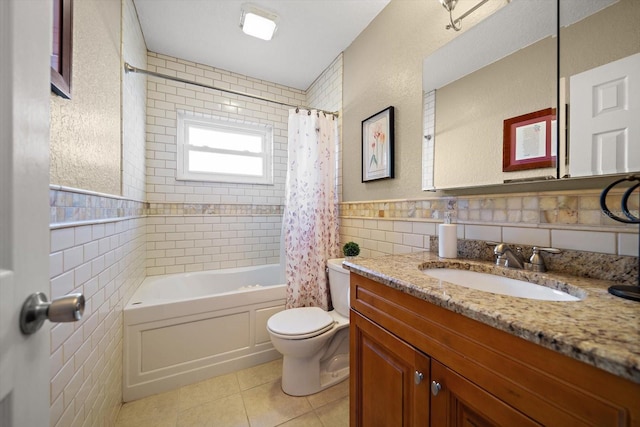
297	110
318	113
308	112
324	113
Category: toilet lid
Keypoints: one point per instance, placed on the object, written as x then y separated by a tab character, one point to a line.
300	321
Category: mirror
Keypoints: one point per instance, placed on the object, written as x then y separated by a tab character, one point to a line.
505	71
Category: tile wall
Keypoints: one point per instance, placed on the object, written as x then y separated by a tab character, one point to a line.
98	247
571	221
200	225
99	251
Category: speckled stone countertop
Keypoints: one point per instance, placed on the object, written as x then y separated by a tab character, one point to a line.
600	329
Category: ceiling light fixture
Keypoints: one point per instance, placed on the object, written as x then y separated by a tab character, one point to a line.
449	5
257	22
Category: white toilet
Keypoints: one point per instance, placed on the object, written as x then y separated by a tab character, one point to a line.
314	343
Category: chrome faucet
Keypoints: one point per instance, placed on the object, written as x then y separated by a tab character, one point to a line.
506	257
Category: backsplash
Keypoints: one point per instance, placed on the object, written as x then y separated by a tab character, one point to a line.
592	244
594	265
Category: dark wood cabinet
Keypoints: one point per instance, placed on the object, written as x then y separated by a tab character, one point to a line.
472	374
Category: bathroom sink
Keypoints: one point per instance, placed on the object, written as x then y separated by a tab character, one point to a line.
498	284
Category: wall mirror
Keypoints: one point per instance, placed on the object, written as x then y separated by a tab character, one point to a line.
506	70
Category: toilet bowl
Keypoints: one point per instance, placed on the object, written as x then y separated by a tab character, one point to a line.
314	343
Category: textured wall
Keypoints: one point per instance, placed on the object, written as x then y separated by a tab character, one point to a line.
383	67
85	131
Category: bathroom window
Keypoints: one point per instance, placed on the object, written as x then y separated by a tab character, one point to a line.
220	150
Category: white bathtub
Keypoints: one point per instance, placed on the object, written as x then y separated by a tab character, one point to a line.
184	328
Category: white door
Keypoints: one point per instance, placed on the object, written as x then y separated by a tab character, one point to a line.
25	40
603	117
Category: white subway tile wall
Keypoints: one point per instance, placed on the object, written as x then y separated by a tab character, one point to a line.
325	93
106	262
178	244
201	225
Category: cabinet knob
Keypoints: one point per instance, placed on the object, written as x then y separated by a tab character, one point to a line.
435	388
418	377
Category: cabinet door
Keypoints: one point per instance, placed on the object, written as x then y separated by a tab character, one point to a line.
389	378
455	401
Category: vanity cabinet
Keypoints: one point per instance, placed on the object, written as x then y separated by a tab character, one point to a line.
472	374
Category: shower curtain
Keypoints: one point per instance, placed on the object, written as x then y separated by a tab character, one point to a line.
310	221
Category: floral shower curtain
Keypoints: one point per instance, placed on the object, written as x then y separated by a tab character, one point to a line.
310	222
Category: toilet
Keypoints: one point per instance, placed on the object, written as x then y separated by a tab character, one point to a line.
314	343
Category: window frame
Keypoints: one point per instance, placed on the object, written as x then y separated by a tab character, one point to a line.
186	120
61	79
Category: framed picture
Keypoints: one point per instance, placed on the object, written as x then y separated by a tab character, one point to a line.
529	141
377	146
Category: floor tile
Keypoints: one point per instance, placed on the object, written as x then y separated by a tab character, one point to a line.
148	422
249	397
267	405
161	406
208	390
335	414
225	412
261	374
329	395
310	419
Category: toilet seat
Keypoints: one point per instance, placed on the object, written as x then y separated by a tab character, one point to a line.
300	323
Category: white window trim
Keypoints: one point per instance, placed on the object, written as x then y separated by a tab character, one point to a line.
187	119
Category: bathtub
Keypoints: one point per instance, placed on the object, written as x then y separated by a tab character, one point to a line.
183	328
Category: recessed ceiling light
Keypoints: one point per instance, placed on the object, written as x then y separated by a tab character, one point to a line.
258	22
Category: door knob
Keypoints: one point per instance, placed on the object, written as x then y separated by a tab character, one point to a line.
36	309
418	377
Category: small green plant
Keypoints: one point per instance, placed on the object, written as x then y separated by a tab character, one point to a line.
351	249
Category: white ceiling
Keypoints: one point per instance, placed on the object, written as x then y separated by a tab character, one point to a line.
310	35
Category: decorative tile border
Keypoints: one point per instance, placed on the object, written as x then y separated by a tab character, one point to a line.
560	208
213	209
71	205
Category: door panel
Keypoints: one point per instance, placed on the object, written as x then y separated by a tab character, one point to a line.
460	403
25	45
391	391
604	125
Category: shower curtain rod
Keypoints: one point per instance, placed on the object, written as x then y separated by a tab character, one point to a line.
131	69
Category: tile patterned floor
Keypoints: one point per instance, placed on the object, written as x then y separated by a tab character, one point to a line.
249	398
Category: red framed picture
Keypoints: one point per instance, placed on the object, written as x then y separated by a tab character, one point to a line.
529	141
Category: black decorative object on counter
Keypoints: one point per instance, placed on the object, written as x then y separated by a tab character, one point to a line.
622	291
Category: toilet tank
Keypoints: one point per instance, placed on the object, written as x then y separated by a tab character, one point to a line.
339	286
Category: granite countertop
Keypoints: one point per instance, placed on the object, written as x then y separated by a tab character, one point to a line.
600	329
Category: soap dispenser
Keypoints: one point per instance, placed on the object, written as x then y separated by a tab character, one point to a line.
447	238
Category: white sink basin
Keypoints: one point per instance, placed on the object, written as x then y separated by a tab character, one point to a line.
498	284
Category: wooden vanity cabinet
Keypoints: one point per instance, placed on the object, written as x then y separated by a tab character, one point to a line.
486	377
